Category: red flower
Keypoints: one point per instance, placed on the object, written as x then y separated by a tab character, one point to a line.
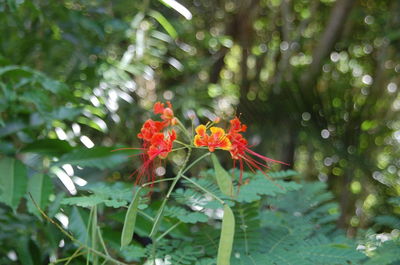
149	128
241	152
158	148
167	114
157	144
161	145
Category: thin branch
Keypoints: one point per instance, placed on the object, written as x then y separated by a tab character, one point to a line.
169	230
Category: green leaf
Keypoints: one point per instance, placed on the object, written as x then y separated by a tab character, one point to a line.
223	178
133	253
386	254
260	185
158	218
206	261
130	220
118	190
23	71
330	254
12	127
164	23
185	216
178	8
13	181
50	147
388	220
93	200
253	259
65	113
114	203
40	187
226	239
78	220
282	174
99	157
23	251
95	258
55	205
83	201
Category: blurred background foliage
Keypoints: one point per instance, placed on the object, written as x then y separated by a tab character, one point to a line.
316	81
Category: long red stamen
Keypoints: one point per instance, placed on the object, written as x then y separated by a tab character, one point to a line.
264	157
268	177
120	149
257	162
241	172
248	164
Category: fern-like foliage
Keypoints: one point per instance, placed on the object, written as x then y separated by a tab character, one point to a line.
384	248
184	215
114	195
294	231
247	229
386	254
273	226
176	252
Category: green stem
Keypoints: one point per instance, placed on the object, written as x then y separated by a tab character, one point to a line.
183	128
160	212
182	143
179	175
102	241
195	162
169	230
204	189
156	181
68	259
146	215
87	233
95	259
179	148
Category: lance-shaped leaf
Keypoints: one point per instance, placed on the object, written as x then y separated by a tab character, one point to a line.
95	258
178	8
226	239
130	220
223	178
78	224
99	157
164	23
50	147
40	187
13	181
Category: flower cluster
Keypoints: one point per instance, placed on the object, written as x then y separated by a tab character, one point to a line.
235	143
157	139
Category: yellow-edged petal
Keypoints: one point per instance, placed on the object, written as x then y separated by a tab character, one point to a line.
198	141
226	144
201	130
217	131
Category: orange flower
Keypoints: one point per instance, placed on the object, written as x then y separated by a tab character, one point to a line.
149	128
167	114
217	139
157	144
241	152
161	145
